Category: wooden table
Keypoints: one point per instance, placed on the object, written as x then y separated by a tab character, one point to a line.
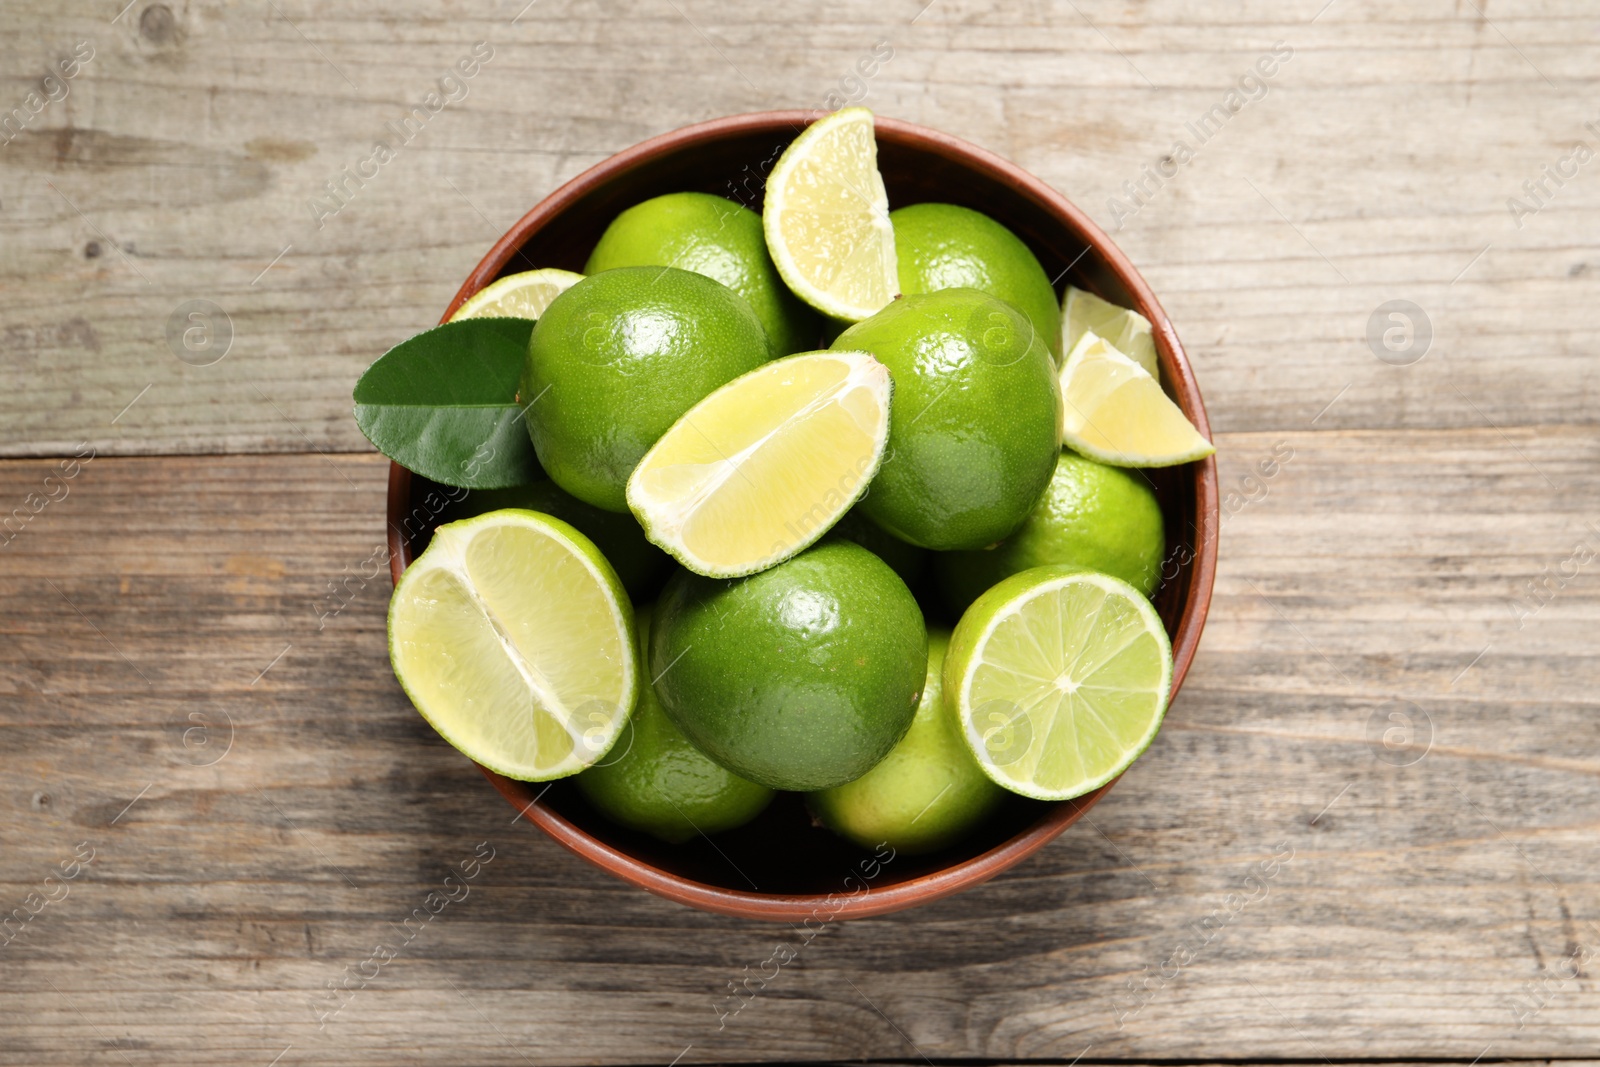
217	801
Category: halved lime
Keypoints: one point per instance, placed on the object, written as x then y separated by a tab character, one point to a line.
765	465
1126	330
1115	412
517	296
827	218
1060	678
512	636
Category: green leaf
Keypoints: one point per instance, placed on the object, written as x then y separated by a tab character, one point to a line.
444	404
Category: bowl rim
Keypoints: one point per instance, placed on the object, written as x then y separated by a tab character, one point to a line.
932	885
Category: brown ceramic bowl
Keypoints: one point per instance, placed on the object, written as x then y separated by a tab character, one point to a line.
780	866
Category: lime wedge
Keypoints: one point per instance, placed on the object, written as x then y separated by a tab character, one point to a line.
827	218
517	296
765	465
513	638
1060	678
1115	412
1127	331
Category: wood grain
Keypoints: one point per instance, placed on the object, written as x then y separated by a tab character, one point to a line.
1376	166
1422	908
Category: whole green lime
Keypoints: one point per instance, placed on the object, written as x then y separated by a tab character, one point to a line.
942	246
614	362
640	565
799	677
975	420
662	784
928	792
1102	518
716	237
908	561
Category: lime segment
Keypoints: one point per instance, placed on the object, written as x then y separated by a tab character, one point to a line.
827	218
1126	330
765	465
1060	678
1115	412
517	296
513	638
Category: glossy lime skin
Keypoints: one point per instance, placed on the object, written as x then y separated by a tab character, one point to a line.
1093	516
927	793
974	421
908	561
616	360
942	246
655	780
801	677
640	565
716	237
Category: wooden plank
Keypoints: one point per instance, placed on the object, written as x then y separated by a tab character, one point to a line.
1425	910
1376	166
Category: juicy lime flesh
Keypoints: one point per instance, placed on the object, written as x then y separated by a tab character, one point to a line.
617	359
943	246
716	237
1125	329
1065	683
518	296
1114	411
655	780
510	636
640	565
1095	516
765	465
800	677
827	218
975	419
927	793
